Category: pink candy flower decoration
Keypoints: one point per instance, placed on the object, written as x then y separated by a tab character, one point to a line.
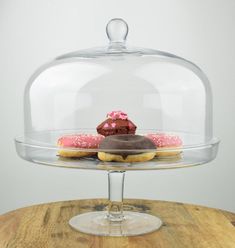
106	125
113	124
115	115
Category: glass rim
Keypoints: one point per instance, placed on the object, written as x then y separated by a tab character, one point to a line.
21	141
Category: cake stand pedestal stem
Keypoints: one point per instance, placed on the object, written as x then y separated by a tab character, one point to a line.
115	221
116	188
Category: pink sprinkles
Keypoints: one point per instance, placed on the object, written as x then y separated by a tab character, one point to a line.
165	140
115	115
81	141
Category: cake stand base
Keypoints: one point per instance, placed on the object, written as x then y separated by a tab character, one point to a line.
133	223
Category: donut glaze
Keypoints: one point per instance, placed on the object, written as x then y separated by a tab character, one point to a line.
165	140
83	141
126	144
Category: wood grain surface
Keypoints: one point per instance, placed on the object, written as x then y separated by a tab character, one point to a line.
185	225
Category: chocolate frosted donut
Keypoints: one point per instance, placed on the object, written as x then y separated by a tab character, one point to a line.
128	146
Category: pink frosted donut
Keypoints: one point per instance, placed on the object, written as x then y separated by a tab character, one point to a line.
163	140
83	141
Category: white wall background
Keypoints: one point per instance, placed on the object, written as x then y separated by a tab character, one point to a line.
32	32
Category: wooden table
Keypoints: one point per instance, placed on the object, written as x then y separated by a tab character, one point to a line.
185	225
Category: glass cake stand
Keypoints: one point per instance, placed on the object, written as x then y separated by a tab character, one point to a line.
115	221
159	91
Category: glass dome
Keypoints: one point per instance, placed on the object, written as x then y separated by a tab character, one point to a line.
164	96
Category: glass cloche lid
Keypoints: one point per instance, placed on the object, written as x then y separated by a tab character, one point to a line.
118	106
